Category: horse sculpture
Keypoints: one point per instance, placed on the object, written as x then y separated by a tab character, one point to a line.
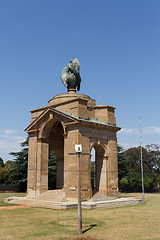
70	75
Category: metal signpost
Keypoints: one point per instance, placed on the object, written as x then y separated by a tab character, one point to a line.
143	198
78	151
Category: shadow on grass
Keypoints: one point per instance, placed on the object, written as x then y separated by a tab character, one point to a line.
89	228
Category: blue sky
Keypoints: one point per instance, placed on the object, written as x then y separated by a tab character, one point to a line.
117	44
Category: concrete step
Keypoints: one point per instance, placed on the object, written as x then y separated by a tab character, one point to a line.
52	195
97	196
119	202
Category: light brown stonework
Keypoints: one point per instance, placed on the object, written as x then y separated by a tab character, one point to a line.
71	119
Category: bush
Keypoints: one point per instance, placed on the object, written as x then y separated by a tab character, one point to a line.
124	184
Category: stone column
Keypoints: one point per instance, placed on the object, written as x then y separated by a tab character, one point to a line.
37	182
71	166
42	166
60	171
32	166
86	188
112	167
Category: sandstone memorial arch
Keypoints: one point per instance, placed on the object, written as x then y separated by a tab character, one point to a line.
70	119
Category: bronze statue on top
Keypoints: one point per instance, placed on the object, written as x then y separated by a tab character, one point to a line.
70	75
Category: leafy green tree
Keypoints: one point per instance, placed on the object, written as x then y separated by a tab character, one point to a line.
93	175
4	172
123	161
1	163
52	171
154	153
9	164
158	180
130	167
19	170
124	184
134	156
148	183
158	183
134	166
4	175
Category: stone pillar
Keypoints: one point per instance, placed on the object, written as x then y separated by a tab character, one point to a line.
71	166
112	167
42	166
86	188
32	166
60	172
37	166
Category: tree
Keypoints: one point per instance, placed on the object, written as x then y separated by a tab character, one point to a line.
129	163
158	182
154	152
4	175
123	161
134	155
52	168
1	163
4	172
93	181
124	184
9	164
19	170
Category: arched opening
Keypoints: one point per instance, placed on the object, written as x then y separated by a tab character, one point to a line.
56	157
98	168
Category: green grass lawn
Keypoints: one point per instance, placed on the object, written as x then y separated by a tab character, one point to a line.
135	222
6	195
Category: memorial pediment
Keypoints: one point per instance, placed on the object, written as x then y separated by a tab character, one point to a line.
49	114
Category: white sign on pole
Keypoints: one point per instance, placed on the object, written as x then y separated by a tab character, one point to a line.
78	148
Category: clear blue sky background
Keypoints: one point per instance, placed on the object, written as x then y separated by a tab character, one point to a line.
117	44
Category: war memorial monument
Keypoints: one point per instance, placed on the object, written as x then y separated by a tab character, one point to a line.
72	119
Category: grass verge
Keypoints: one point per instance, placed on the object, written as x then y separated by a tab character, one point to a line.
127	223
9	194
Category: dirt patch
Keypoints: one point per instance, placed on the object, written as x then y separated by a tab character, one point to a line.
12	207
82	238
